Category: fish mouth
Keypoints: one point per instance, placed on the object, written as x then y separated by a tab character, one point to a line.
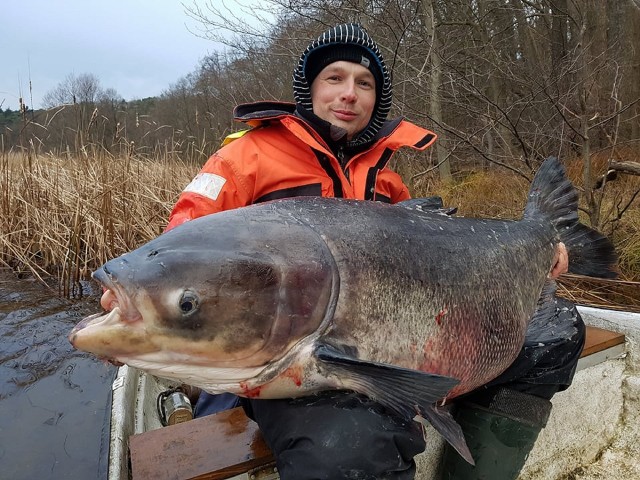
97	320
115	297
119	313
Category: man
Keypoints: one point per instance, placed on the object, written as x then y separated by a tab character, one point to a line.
335	141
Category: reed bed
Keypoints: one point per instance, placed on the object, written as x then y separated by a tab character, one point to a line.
63	216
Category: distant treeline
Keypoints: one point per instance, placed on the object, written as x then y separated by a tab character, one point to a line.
117	127
9	119
9	116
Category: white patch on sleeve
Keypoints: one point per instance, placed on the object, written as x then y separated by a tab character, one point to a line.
207	184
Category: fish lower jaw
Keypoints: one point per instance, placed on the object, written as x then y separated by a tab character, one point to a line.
109	318
103	335
212	379
112	318
97	320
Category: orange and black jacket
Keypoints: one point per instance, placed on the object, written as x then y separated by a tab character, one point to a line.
282	157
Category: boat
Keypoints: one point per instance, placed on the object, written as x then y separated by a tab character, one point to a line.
601	407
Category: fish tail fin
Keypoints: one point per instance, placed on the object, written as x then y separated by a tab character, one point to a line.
552	196
590	253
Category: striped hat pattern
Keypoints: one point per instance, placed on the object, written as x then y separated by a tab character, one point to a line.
350	35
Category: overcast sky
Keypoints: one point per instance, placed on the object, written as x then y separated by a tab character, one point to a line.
137	47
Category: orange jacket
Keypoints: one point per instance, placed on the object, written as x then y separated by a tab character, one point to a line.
282	156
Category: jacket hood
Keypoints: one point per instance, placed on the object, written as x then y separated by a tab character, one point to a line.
350	36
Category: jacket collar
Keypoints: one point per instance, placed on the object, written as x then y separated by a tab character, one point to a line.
260	113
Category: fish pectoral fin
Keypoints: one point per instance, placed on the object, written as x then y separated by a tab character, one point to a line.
405	391
442	420
410	393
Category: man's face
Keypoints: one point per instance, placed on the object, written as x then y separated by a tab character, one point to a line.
344	94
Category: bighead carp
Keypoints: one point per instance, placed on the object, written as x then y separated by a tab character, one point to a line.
291	297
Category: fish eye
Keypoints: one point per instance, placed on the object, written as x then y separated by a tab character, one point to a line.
188	303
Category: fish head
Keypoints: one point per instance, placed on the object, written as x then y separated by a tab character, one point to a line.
204	296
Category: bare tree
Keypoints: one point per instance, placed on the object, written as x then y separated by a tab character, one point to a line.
83	113
74	89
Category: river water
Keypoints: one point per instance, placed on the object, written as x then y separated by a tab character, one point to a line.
54	400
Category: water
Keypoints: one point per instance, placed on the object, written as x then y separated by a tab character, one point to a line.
54	400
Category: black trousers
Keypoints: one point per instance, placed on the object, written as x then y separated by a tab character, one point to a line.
345	435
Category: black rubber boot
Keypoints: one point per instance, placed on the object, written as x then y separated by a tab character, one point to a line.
500	435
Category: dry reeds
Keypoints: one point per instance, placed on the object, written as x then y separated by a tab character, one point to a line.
602	293
64	216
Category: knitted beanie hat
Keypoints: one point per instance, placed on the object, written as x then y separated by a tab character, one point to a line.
347	42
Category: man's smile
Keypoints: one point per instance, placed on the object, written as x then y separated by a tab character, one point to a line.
345	114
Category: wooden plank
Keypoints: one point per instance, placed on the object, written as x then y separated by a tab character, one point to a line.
210	448
599	339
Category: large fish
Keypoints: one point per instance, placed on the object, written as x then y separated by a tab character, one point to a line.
287	298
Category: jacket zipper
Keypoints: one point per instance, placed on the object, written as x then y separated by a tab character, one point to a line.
343	166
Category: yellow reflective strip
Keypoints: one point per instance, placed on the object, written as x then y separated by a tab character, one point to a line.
233	136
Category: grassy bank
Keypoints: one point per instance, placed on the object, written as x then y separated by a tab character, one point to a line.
61	217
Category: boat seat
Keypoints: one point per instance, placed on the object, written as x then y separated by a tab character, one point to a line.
600	345
229	445
223	445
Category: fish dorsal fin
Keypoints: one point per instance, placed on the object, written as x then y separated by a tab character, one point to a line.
428	204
